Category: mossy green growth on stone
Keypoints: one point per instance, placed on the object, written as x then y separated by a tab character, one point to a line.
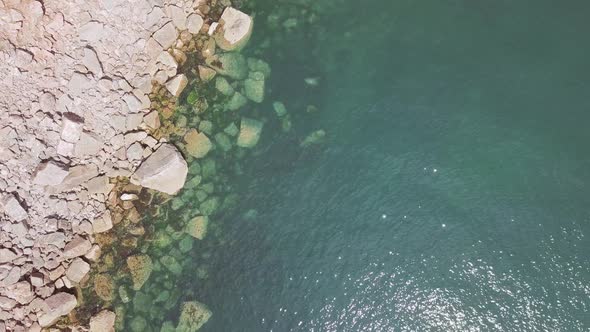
236	102
162	239
193	315
194	168
192	97
163	296
206	127
142	302
254	87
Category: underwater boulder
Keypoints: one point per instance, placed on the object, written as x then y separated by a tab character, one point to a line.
254	87
197	227
140	267
249	135
229	64
197	144
193	316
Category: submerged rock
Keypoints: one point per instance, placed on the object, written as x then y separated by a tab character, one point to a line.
316	137
165	170
104	287
223	86
140	267
197	144
234	29
249	135
229	64
236	102
254	87
197	227
193	316
279	108
206	73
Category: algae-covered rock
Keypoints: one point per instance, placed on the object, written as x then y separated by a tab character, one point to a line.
124	294
236	101
104	287
192	97
254	87
206	127
206	73
249	132
197	227
197	144
223	86
167	326
138	324
193	315
186	244
193	182
279	108
162	239
140	267
231	129
260	66
142	302
209	206
229	64
208	168
234	30
171	264
316	137
223	141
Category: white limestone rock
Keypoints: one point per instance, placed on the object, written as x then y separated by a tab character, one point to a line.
104	321
57	305
77	270
71	127
7	255
90	60
88	145
12	208
79	246
234	30
50	173
177	84
194	23
178	17
165	170
103	223
167	35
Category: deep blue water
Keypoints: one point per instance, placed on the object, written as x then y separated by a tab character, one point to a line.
453	191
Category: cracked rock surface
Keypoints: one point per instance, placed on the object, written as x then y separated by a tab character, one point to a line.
74	85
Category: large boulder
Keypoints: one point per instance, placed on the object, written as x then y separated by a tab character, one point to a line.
193	316
249	133
165	170
50	173
254	87
234	29
12	208
177	84
55	306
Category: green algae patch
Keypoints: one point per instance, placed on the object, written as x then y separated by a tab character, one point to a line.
193	315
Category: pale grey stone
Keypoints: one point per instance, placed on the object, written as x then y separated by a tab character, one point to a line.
77	270
104	321
167	35
234	31
50	173
56	306
165	170
12	208
79	246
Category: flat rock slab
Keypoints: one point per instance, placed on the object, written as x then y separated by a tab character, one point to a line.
165	170
249	133
234	30
57	305
50	173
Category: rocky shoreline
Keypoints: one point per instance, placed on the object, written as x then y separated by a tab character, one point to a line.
85	91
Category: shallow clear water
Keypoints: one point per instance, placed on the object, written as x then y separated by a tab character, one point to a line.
452	193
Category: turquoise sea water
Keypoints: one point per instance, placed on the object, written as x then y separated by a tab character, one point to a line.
452	193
